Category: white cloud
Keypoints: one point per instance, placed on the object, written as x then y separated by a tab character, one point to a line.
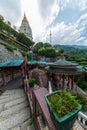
75	4
48	10
63	3
82	4
82	21
11	10
65	34
40	14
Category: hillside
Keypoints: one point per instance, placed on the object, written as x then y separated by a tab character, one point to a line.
75	53
70	47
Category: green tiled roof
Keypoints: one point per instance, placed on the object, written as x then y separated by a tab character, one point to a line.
11	63
60	70
32	62
39	62
63	62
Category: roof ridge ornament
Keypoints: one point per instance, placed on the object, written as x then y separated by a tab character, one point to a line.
62	56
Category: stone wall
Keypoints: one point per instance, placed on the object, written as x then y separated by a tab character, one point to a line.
5	54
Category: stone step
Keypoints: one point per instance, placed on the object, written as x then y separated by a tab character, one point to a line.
14	109
12	92
15	119
30	127
16	128
14	102
25	124
11	98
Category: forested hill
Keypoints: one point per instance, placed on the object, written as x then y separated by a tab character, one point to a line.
78	53
70	47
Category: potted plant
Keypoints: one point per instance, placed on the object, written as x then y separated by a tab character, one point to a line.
63	108
31	82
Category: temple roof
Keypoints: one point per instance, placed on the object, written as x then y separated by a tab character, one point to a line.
39	62
65	67
11	63
24	18
64	62
68	71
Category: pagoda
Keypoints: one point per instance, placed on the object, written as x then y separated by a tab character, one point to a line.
25	28
62	72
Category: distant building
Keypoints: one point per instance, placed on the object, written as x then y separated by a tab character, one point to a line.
25	28
9	23
1	17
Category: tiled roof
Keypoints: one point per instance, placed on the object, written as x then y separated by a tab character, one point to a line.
64	62
11	63
39	62
64	70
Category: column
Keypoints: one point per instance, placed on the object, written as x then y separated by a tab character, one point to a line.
63	79
72	81
3	75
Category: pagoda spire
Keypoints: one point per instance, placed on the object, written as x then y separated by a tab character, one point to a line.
24	18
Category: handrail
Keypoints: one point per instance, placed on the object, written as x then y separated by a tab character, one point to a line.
36	96
82	118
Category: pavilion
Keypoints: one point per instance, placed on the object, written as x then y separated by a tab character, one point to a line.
62	72
12	67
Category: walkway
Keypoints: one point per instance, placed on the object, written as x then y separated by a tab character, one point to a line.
14	108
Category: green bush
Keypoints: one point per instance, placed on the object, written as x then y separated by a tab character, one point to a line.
63	102
31	81
82	100
9	48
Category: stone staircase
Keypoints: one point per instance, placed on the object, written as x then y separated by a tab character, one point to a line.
14	111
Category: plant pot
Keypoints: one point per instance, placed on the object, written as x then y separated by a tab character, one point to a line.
65	122
31	85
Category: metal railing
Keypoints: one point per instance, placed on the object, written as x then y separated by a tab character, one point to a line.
82	118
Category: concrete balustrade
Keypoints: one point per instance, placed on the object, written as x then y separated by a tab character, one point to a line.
82	118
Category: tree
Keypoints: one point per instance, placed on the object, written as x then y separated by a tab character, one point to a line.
1	24
47	45
47	52
38	46
23	39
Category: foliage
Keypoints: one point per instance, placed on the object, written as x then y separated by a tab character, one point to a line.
9	48
40	45
82	100
25	54
63	102
7	29
31	81
23	39
81	81
47	52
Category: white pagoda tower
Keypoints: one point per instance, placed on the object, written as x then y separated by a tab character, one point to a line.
25	28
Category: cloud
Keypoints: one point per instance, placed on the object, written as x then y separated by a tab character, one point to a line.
49	10
65	34
63	3
11	10
82	21
81	5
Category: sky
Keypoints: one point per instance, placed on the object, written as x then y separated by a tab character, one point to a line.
65	19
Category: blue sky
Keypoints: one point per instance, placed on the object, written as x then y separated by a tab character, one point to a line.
67	19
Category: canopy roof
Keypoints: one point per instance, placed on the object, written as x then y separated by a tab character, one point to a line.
64	62
62	66
11	63
39	62
65	71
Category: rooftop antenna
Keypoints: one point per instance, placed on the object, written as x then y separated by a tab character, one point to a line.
50	37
